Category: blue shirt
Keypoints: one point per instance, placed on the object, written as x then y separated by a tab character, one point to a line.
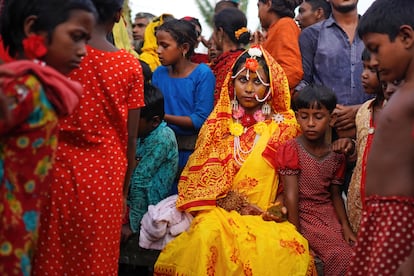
329	59
191	96
154	176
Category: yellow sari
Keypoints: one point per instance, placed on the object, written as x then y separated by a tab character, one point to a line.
219	242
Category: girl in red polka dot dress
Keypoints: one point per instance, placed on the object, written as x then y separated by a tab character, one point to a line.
82	220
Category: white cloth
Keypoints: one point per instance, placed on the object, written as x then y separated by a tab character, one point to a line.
162	223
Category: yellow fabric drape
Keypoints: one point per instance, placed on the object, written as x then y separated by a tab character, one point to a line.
121	37
219	242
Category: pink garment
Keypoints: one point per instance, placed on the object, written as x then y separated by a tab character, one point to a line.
162	223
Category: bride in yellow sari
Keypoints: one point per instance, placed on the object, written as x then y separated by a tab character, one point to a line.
230	181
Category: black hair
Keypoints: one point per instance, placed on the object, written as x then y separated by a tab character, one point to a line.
232	20
146	71
242	59
49	13
315	96
154	103
386	17
224	4
323	4
193	21
284	8
107	9
366	55
182	32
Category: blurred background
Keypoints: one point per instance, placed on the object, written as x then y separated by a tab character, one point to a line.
203	10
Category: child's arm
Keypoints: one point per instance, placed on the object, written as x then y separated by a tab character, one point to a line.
291	198
339	206
133	123
182	121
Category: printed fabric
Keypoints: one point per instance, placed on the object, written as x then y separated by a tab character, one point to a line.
227	243
38	96
386	236
83	213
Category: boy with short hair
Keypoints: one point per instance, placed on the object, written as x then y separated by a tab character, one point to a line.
157	157
386	240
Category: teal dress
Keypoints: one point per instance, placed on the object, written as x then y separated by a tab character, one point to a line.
154	176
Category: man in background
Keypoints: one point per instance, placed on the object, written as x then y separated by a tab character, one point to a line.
312	11
138	29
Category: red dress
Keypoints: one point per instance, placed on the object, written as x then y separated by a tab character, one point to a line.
386	236
81	223
37	97
319	223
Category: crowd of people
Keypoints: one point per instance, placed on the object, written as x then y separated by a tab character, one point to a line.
287	150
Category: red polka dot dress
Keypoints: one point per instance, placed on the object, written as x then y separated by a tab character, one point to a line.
81	223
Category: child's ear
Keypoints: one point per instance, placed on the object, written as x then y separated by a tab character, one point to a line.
28	25
269	4
156	121
406	35
319	13
185	47
118	16
333	119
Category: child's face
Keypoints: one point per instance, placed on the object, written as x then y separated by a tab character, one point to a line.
390	57
246	86
390	87
168	50
370	81
313	122
68	41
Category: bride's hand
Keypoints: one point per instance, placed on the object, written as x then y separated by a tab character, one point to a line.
268	216
250	209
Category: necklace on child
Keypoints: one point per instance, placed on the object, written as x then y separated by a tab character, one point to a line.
240	125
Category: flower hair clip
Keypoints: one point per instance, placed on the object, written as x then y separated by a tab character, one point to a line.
34	46
239	32
252	64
